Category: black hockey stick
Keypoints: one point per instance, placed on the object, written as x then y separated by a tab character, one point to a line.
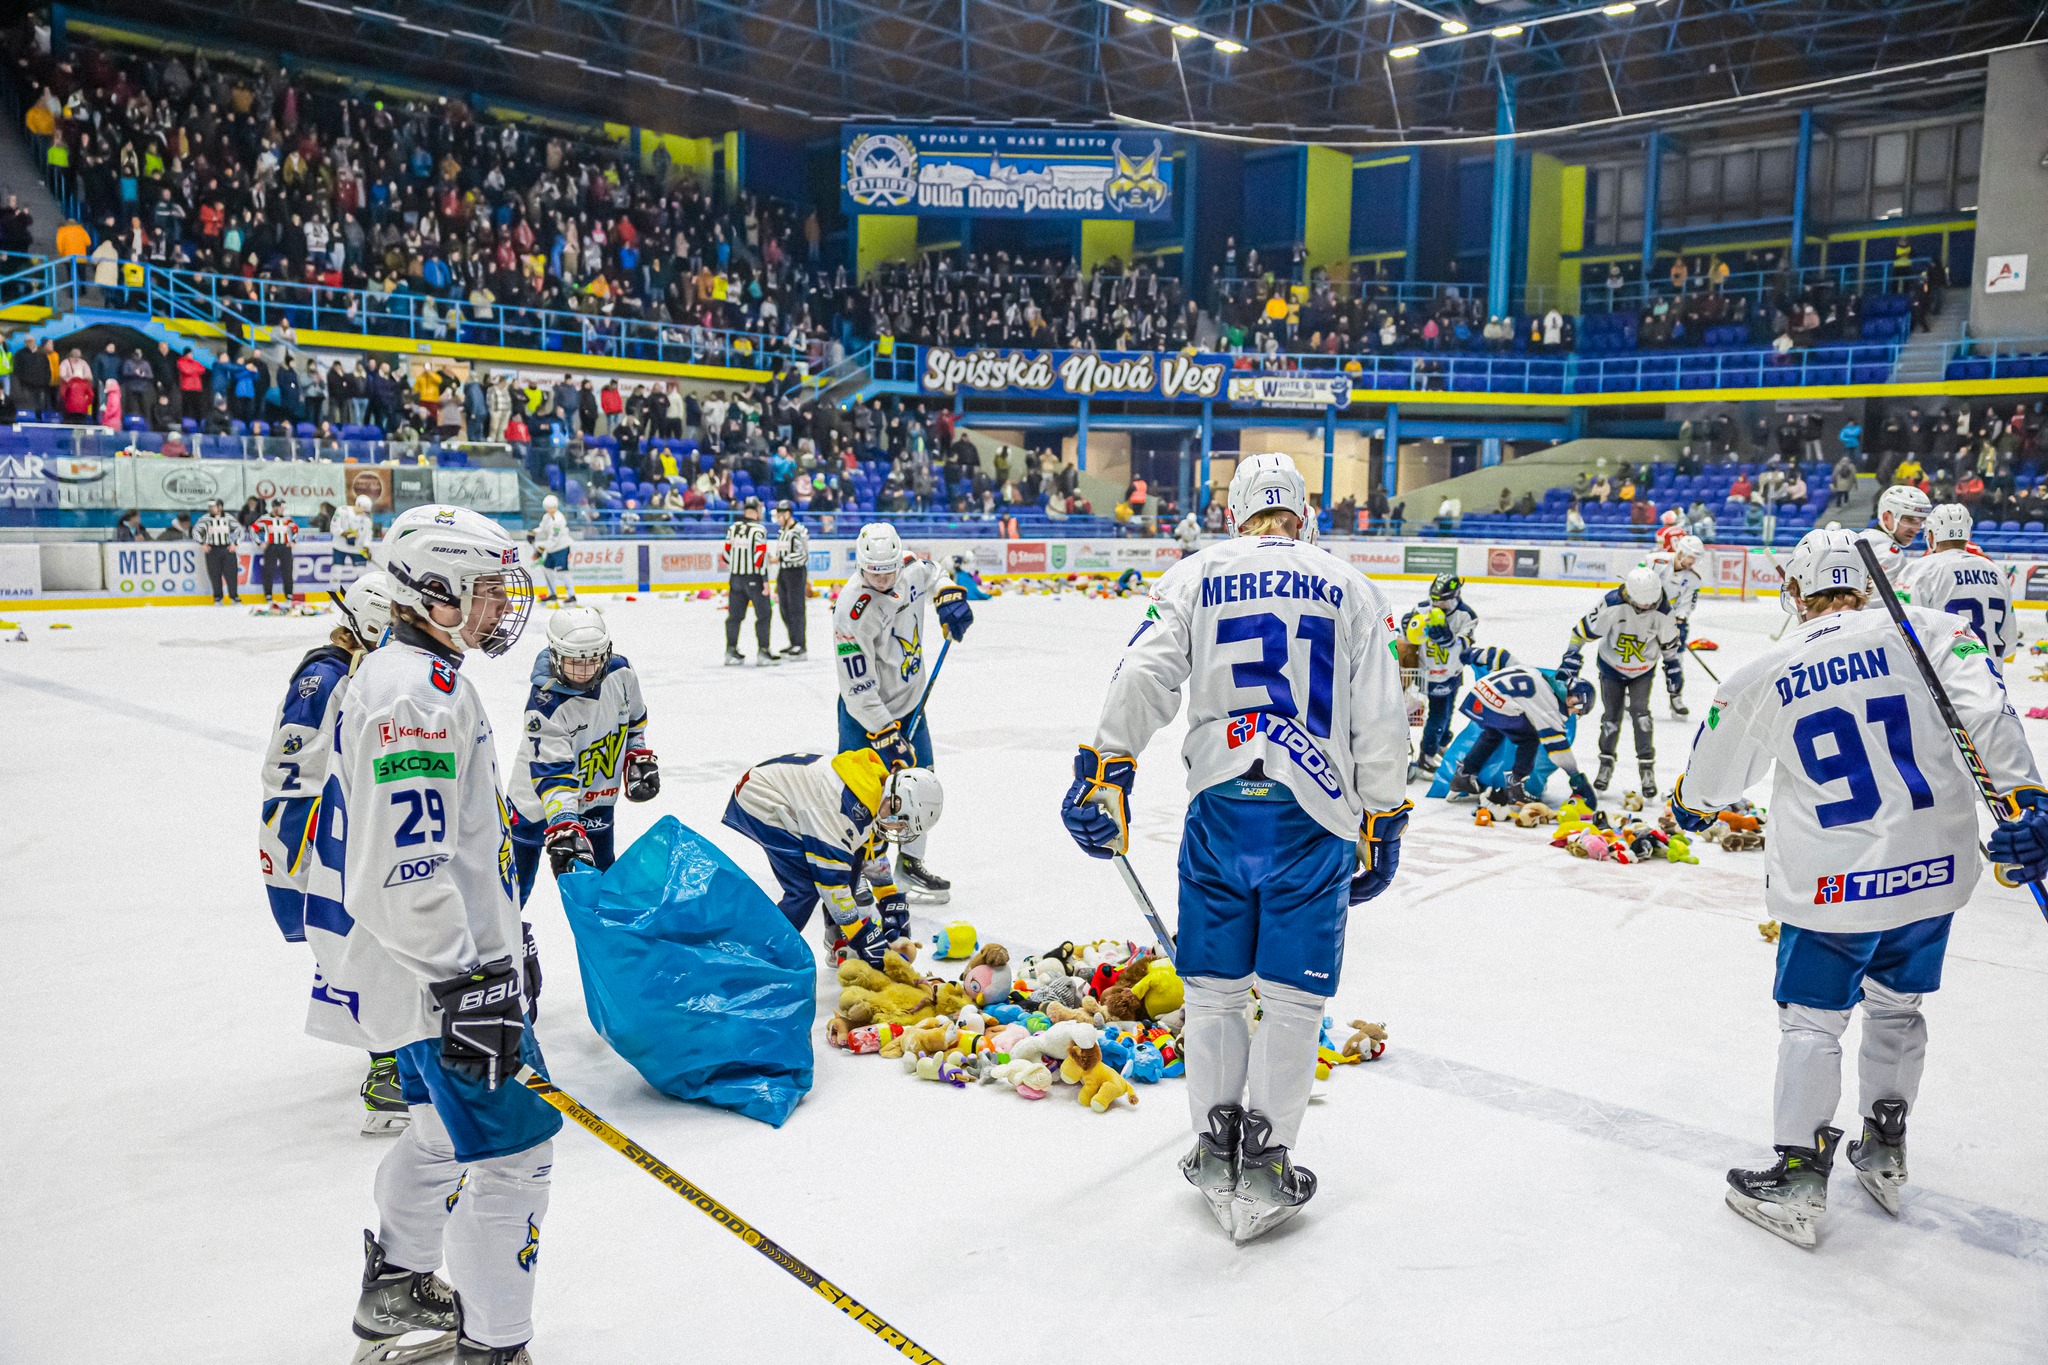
1123	865
917	711
860	1313
2002	807
1702	663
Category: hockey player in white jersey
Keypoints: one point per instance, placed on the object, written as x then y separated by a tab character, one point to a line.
1295	756
1525	707
1957	579
551	542
1441	629
1873	848
1901	511
1677	569
583	745
294	771
1634	630
826	825
353	529
878	640
430	953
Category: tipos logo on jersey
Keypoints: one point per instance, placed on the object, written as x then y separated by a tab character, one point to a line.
530	1253
1885	881
600	760
1287	735
1241	730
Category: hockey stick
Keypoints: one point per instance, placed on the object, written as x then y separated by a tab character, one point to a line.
1779	633
724	1217
917	712
1123	865
1703	664
2002	807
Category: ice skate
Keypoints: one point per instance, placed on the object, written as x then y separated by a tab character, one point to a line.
921	882
384	1108
1649	775
796	652
733	658
1678	707
469	1352
1510	793
1789	1198
1602	778
1880	1156
1464	787
396	1308
1212	1167
1270	1188
765	659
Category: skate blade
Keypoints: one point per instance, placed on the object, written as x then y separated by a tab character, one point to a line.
1221	1203
1800	1229
385	1122
398	1351
1251	1221
920	896
1882	1188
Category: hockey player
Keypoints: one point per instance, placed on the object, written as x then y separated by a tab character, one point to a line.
1901	511
585	738
1447	595
878	636
353	528
1520	705
1295	752
1677	569
793	580
1873	848
1444	656
1633	628
825	825
1962	581
746	565
276	533
429	959
551	542
294	771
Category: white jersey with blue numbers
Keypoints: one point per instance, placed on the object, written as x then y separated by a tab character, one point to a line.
551	533
878	641
1681	586
1631	641
828	803
1966	584
1287	654
412	825
572	746
294	770
1520	701
1873	819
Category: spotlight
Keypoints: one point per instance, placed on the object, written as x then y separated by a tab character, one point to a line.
1452	26
1404	52
1183	31
1508	31
1228	48
1141	16
1618	10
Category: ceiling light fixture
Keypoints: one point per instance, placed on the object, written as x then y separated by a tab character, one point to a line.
1228	48
1453	26
1618	10
1404	52
1508	31
1183	31
1141	16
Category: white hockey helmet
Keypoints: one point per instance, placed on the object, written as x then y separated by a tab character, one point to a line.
550	503
1823	561
1265	482
879	552
1901	504
452	557
1688	548
912	802
1949	523
366	605
363	503
579	645
1642	588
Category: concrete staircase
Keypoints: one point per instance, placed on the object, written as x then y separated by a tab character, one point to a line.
20	174
1923	360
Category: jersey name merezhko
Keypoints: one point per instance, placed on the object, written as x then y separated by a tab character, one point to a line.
1243	587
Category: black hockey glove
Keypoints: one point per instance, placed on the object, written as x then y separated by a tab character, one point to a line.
955	616
568	843
1582	787
481	1022
1379	852
643	776
894	746
531	964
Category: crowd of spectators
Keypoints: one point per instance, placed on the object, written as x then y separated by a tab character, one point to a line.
992	300
1975	456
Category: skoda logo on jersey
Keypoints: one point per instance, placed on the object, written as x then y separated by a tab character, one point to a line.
415	870
1902	880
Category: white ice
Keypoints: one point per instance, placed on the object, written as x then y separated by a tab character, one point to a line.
1534	1172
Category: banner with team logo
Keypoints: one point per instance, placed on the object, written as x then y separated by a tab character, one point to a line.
1006	172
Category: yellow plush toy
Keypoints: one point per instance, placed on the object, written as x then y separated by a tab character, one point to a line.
1100	1086
887	997
1159	990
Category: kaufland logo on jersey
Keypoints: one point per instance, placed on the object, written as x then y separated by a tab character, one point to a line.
387	733
1885	881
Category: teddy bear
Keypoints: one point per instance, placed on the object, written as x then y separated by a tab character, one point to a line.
1742	822
1055	1041
987	976
869	996
1100	1087
1769	929
1632	801
929	1038
1119	1003
1146	1066
1369	1043
1534	813
1739	841
1159	989
1089	1011
1678	850
1483	816
1030	1079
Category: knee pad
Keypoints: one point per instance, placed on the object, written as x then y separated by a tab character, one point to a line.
1216	994
529	1170
1290	1004
1880	1000
1807	1019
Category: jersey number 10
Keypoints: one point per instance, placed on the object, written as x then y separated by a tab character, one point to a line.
1269	670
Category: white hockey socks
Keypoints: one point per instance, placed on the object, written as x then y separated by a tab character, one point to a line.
1894	1048
1216	1039
914	848
1809	1073
416	1187
1283	1057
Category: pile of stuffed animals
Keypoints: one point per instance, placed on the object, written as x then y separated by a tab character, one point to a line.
1584	832
1104	1017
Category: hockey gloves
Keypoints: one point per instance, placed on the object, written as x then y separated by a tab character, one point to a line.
1582	787
955	616
1674	675
568	843
2024	841
893	745
1379	852
1690	819
643	776
1567	671
1097	808
481	1022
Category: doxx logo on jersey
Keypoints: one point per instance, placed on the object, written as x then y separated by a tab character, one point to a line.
1885	881
414	870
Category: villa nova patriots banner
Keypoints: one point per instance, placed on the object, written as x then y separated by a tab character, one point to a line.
1006	173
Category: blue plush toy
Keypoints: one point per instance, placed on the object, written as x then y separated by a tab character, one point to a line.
1147	1066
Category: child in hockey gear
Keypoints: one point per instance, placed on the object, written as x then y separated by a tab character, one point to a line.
1955	578
1677	569
1901	512
1872	809
1526	707
878	637
585	739
1295	762
430	946
551	541
1444	655
746	585
826	828
294	771
1634	629
793	581
353	528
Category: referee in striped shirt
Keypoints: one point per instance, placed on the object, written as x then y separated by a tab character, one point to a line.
277	532
793	578
218	532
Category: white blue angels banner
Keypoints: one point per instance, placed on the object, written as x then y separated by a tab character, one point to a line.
1006	172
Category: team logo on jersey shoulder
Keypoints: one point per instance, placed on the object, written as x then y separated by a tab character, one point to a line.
860	604
294	744
308	685
533	725
1902	880
442	675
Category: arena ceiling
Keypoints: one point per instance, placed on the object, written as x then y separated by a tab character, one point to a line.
1327	70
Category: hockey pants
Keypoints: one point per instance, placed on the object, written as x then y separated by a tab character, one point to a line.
740	591
1636	691
277	561
221	572
792	589
1271	1072
1487	740
1436	731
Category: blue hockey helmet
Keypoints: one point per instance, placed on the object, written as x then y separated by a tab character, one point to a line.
1578	697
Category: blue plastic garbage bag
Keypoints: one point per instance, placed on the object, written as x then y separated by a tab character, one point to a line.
1496	770
693	975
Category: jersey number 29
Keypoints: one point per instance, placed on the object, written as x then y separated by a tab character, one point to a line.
1269	672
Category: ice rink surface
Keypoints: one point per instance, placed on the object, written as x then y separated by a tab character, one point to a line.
1533	1173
